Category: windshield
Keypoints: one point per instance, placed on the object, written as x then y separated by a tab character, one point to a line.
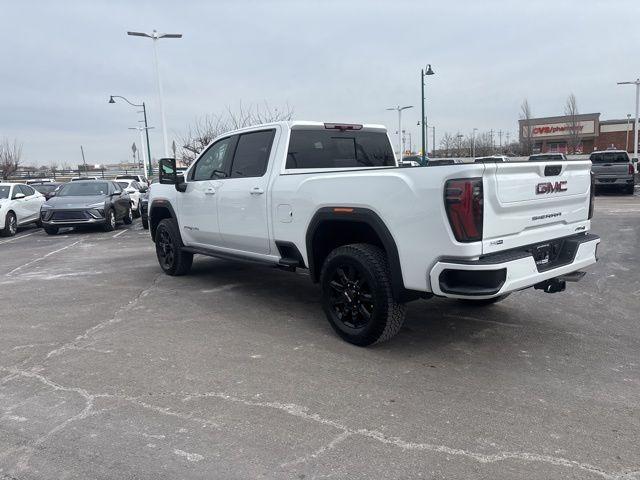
84	189
4	191
609	157
542	158
45	188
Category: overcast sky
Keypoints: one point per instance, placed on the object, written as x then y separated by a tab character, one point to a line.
343	60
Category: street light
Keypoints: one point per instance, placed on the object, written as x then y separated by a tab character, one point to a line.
146	128
626	136
635	127
399	109
155	36
143	129
424	116
473	143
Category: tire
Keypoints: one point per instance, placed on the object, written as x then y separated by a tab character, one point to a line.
145	223
137	213
172	259
110	221
128	217
10	225
51	230
485	301
629	190
357	297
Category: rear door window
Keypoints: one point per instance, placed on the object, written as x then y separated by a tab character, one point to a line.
252	154
334	149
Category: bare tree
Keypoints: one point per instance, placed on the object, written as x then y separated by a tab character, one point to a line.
10	156
205	129
447	144
573	124
526	133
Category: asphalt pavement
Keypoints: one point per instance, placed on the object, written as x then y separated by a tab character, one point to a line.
110	369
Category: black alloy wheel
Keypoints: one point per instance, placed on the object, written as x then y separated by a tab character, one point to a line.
350	296
172	258
165	249
357	295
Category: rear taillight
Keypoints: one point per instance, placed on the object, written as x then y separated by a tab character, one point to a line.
592	196
631	170
463	202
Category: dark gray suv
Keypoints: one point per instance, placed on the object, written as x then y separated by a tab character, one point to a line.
613	168
86	202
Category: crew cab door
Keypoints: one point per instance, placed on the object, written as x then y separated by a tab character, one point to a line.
199	202
242	198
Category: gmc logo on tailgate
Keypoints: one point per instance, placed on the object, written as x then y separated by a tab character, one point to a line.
551	187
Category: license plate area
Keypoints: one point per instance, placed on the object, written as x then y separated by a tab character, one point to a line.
547	254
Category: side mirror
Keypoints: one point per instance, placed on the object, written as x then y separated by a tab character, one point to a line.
143	189
181	185
18	196
167	171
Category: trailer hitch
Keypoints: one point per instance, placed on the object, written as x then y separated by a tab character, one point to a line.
558	284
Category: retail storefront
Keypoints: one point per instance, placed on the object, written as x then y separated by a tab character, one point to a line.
554	134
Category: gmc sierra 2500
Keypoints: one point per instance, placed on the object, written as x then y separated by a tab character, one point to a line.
331	198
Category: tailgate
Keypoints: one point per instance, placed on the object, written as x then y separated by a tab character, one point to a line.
531	202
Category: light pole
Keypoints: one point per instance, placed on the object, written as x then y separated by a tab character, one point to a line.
433	144
626	136
155	36
473	143
635	127
144	160
146	128
424	116
399	109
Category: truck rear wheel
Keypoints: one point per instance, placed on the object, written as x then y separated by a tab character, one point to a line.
172	259
357	297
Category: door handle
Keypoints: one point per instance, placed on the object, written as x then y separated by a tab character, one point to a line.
210	191
256	191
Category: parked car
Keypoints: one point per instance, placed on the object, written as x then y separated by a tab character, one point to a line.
415	160
613	168
545	157
36	181
135	191
88	202
144	210
141	179
330	198
19	205
76	179
47	189
492	159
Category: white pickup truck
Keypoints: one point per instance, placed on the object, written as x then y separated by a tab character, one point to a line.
330	198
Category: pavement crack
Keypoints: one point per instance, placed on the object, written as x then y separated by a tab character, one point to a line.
302	412
320	451
117	317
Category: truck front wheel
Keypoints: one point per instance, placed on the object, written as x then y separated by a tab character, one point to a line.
172	259
357	295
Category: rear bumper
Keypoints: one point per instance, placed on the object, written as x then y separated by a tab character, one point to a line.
614	181
504	272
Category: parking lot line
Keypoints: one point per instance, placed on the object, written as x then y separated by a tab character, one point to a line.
17	237
41	258
119	233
